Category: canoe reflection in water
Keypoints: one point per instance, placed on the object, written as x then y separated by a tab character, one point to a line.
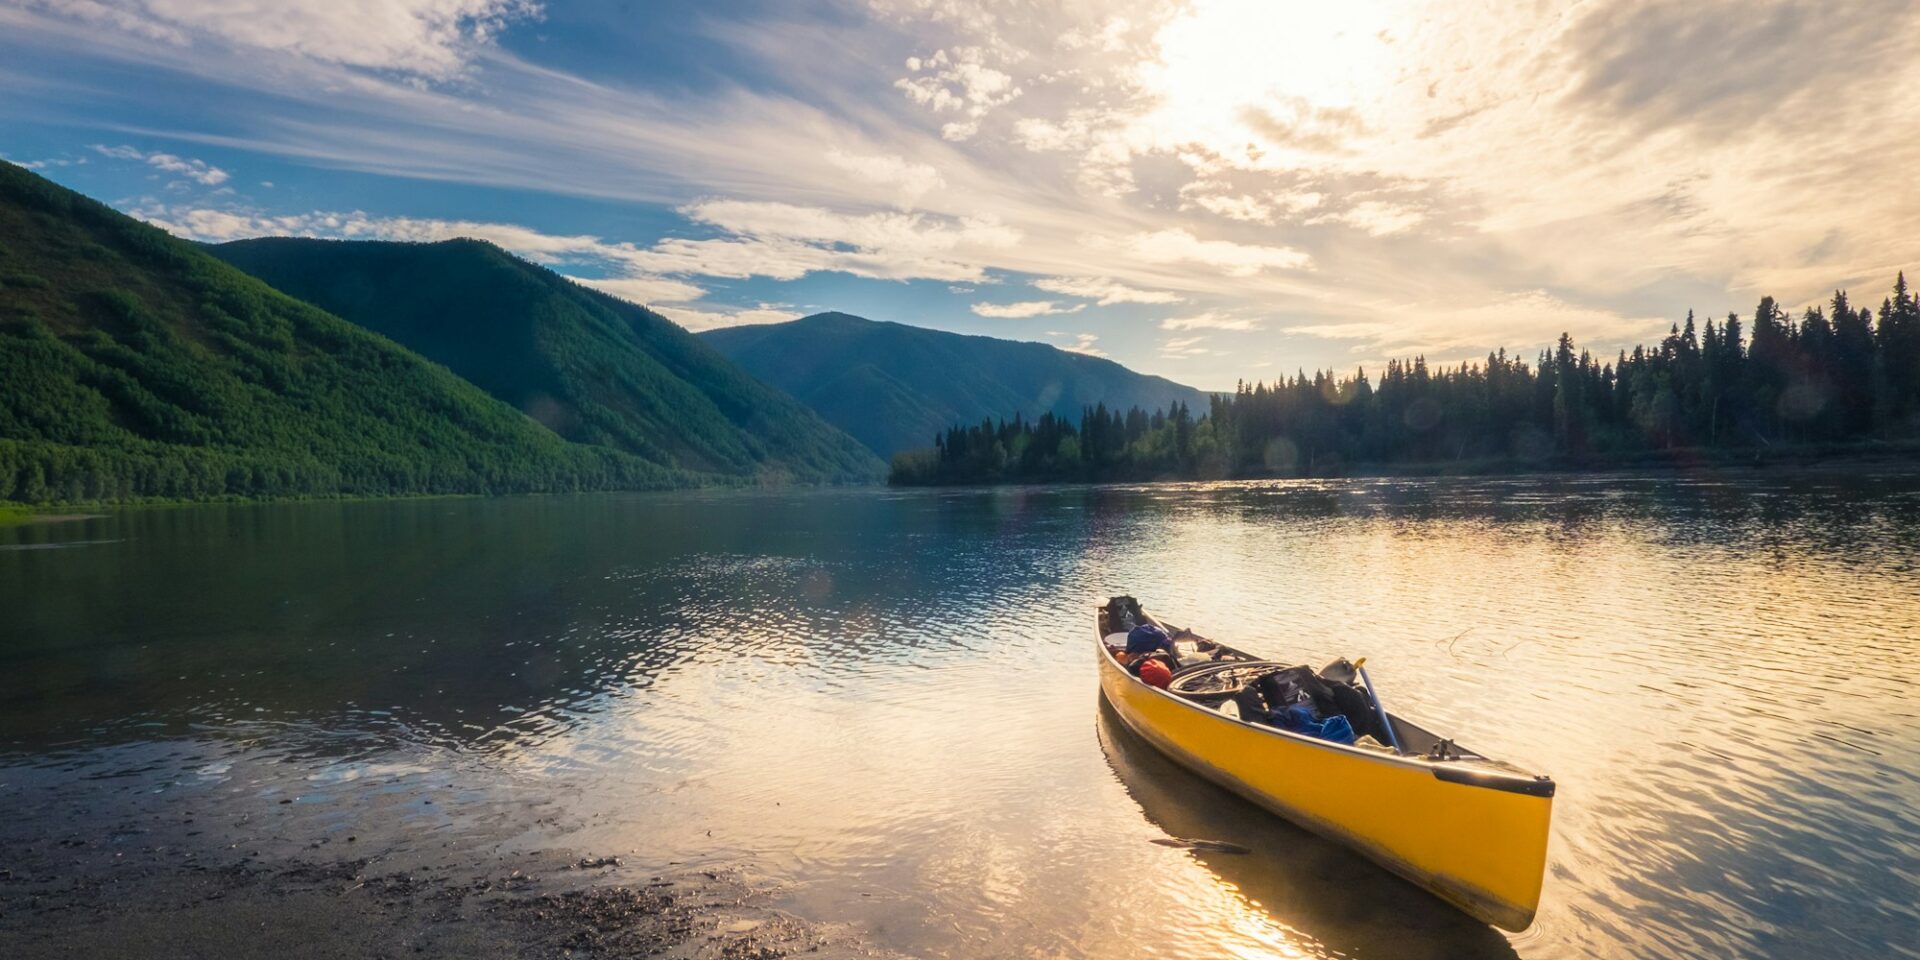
1325	892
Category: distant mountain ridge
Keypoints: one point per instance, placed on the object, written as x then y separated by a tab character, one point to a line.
894	386
593	368
133	364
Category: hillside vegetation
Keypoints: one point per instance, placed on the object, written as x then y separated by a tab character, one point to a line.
593	368
134	364
894	386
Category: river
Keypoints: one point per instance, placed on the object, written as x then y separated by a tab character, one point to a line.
881	705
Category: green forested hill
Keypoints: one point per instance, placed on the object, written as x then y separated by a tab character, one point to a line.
593	368
133	364
894	386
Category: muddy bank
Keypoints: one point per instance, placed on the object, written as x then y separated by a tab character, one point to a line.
138	906
129	859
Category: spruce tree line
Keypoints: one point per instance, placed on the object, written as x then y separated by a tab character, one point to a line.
1836	377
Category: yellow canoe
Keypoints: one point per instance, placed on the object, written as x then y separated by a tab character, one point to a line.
1469	829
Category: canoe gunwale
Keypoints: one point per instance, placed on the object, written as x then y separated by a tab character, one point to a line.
1465	771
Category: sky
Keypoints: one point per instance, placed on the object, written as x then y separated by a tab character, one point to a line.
1209	190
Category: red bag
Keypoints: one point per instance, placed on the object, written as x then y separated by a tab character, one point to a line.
1156	674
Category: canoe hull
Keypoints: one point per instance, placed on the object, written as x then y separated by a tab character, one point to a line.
1480	848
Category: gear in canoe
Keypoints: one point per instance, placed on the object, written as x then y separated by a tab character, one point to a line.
1318	748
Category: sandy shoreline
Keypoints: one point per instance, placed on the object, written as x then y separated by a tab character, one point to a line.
130	862
147	902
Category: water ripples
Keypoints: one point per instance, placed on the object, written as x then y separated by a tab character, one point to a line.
885	700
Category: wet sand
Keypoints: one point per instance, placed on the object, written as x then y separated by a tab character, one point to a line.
103	899
53	905
123	865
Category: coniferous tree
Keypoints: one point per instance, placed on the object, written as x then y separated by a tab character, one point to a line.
1898	379
1834	375
1852	366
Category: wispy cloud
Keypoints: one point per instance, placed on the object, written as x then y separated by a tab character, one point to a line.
1082	343
787	240
1225	256
1469	331
1104	292
1025	308
198	171
909	180
1329	163
1210	320
49	163
620	269
432	39
1379	218
697	319
645	290
1183	348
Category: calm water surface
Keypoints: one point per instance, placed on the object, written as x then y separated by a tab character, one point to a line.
884	704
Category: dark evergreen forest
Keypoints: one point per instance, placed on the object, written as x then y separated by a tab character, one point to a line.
1836	378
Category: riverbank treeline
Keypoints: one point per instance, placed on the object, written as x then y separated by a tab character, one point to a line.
1836	375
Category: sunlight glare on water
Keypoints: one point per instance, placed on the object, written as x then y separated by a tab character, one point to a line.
885	703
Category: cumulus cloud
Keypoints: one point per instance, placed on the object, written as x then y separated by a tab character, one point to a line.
957	80
1025	308
199	171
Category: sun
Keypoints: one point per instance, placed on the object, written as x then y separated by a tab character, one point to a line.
1288	77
